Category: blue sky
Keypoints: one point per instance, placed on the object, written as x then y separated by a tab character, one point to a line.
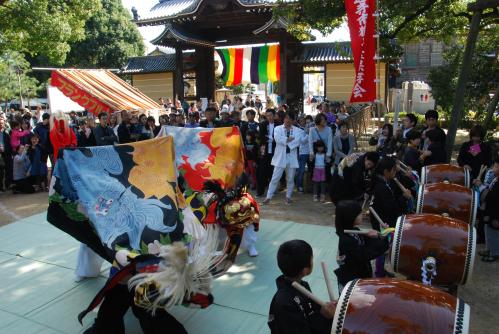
149	33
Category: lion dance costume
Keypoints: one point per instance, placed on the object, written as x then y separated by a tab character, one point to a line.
166	246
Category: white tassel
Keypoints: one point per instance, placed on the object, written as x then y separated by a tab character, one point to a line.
184	270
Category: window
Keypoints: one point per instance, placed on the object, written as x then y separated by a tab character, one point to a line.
411	55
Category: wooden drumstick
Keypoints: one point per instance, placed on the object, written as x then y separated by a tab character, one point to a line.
403	165
483	168
361	232
378	218
308	294
401	186
328	281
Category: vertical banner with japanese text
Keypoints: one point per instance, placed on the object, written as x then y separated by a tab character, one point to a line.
361	22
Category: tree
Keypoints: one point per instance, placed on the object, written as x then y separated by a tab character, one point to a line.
400	20
480	13
14	77
482	79
110	39
44	27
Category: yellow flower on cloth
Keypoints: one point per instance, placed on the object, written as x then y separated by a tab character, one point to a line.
154	172
228	161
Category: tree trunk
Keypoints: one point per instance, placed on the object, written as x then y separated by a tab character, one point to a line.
491	109
458	106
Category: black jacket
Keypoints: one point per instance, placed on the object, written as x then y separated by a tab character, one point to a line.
7	149
411	159
388	202
204	123
354	183
263	138
293	313
243	128
104	135
466	158
124	133
438	154
358	252
84	141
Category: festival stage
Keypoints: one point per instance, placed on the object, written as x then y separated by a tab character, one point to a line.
38	293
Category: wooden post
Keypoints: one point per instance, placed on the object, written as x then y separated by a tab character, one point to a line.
491	109
283	82
210	73
178	87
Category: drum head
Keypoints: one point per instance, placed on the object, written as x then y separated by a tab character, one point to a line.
394	306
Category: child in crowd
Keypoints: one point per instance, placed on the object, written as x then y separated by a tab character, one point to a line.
16	134
38	170
319	173
251	150
21	168
412	157
290	311
355	251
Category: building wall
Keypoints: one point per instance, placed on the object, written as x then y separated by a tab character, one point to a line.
340	78
419	58
154	85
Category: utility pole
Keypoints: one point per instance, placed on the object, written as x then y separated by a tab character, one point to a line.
477	9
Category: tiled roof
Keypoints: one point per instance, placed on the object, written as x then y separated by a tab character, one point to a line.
325	53
168	9
150	64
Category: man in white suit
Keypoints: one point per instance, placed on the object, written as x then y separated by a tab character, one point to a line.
287	138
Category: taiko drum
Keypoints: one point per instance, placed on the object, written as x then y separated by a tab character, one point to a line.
448	199
451	242
375	306
445	172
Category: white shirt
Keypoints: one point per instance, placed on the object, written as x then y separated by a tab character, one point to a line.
320	160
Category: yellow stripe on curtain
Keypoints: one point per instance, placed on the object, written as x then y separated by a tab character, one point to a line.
232	62
272	63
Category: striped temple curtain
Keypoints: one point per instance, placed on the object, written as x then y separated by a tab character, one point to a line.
250	65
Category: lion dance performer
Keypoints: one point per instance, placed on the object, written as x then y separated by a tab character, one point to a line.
124	202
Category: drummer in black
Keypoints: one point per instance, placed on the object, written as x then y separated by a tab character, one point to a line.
290	311
355	251
389	201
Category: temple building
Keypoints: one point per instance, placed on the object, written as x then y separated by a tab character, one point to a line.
199	29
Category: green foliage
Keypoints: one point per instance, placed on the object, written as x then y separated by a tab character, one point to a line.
482	80
400	20
10	85
322	15
45	27
110	39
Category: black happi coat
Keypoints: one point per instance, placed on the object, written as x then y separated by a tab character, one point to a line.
293	313
358	252
388	202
